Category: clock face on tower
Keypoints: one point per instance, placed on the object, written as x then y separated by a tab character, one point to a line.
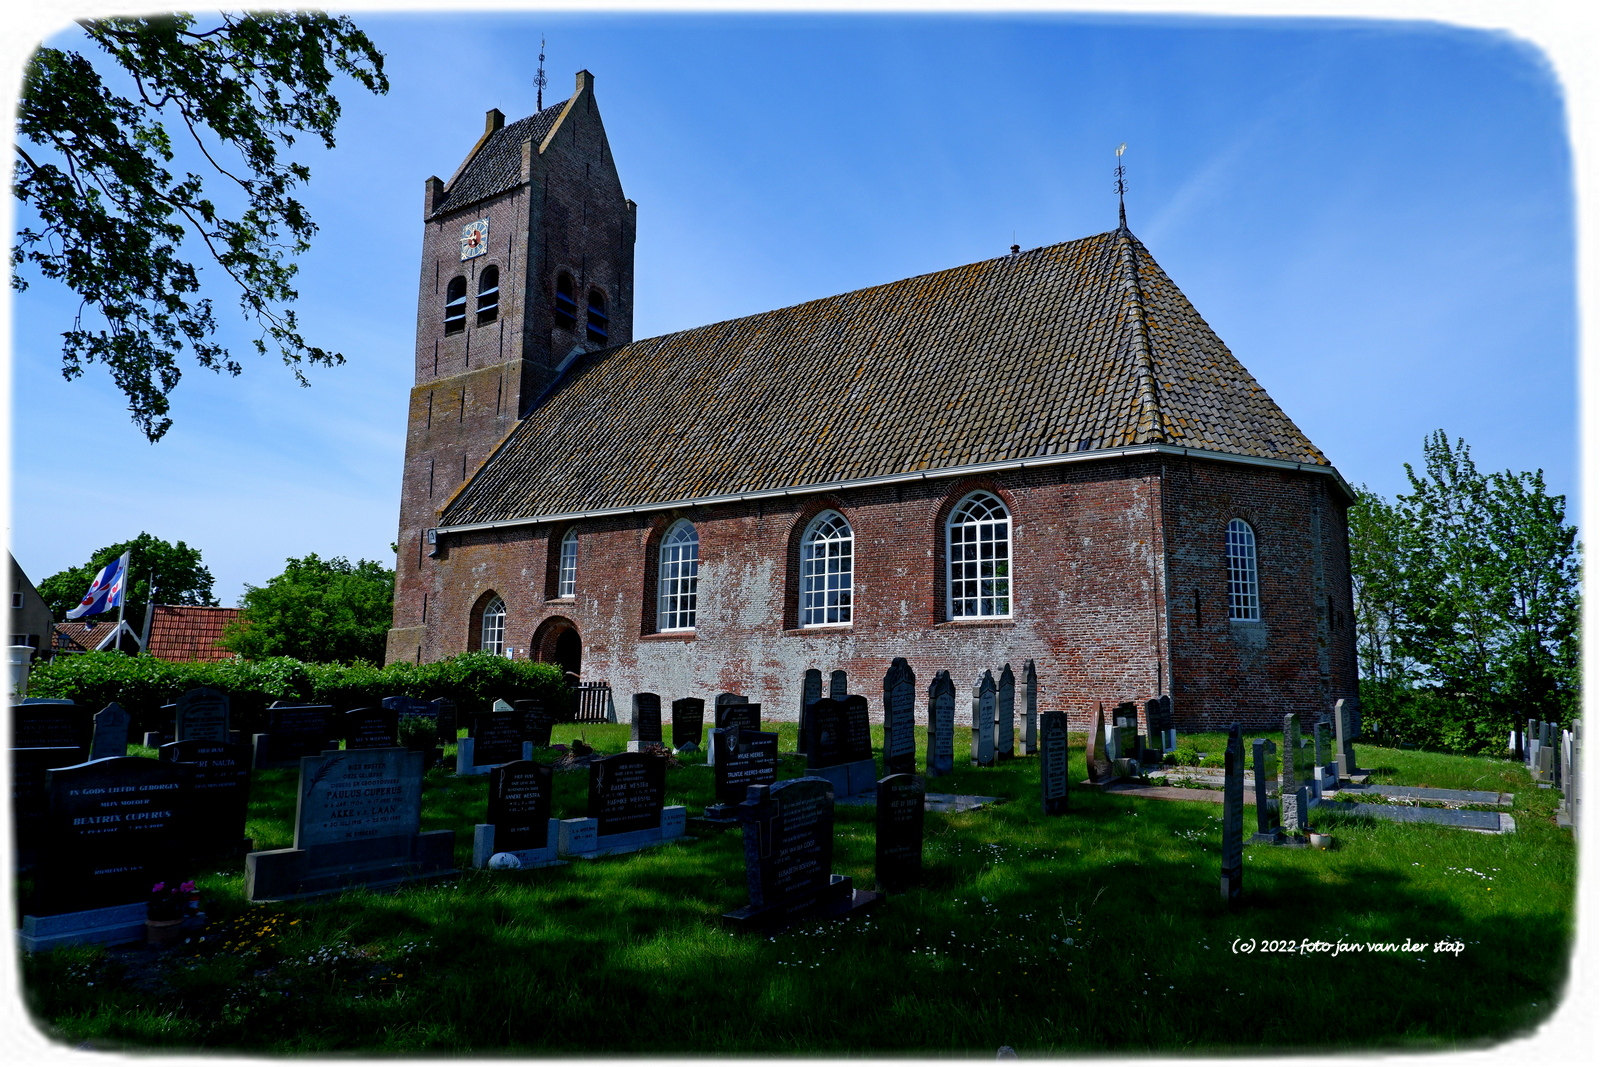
474	238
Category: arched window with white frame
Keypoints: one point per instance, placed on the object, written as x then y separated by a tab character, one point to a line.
1244	591
978	556
492	633
827	571
567	577
677	578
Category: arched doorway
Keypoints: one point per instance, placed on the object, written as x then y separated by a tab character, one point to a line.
557	641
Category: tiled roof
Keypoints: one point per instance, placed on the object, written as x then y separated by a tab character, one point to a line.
497	164
78	636
184	634
1078	346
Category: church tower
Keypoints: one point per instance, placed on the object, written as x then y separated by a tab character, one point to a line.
527	260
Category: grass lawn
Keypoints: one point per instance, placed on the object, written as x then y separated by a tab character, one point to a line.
1102	930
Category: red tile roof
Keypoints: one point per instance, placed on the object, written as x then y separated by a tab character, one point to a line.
184	634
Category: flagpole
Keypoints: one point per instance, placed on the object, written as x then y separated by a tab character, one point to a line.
122	601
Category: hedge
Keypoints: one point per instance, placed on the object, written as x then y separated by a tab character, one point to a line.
144	684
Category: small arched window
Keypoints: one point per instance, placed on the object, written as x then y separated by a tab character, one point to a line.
827	570
492	635
565	310
978	551
488	295
1244	594
598	323
678	578
455	305
567	576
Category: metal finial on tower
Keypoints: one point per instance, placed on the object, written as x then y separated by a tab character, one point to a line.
538	79
1122	187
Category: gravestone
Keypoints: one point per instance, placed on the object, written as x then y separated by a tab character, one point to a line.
1005	720
1266	819
1232	816
788	850
445	720
407	707
30	799
293	732
1324	773
734	713
941	725
810	692
1030	710
898	847
899	718
219	788
838	685
1293	803
1163	731
1053	763
201	715
744	758
493	738
502	705
625	808
1094	754
1345	739
371	728
839	736
1531	743
537	720
358	823
1155	736
110	732
1126	726
983	701
518	821
688	723
52	724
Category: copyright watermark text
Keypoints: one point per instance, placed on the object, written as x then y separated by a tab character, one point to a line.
1246	946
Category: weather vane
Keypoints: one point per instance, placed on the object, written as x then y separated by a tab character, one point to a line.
1122	187
539	79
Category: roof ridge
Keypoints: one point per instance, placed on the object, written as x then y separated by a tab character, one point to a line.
1150	429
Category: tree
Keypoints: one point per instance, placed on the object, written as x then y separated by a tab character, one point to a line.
179	576
113	219
320	611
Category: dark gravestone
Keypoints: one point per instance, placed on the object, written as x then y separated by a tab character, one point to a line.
293	732
52	725
826	746
1094	749
519	806
117	826
1232	815
110	732
1292	801
941	725
744	758
898	854
1030	710
407	707
1345	737
1005	715
899	718
536	720
1153	733
30	800
1125	723
1266	819
371	728
626	792
497	738
722	700
838	685
983	700
857	729
738	714
810	692
219	784
1053	763
788	855
444	716
1158	716
688	722
201	715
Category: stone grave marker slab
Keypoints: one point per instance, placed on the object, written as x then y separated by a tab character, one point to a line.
1232	816
733	712
406	707
625	808
983	711
518	820
744	758
219	785
857	729
839	734
1099	762
110	732
495	738
444	715
536	720
1030	710
898	848
56	724
1005	715
1344	739
1161	724
30	799
899	718
838	685
371	728
810	692
688	723
646	723
1053	763
293	732
941	725
1293	802
1266	819
201	715
826	745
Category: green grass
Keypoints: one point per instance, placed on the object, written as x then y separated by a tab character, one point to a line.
1101	930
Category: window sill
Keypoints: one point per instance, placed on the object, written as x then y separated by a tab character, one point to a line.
560	600
975	624
671	635
832	629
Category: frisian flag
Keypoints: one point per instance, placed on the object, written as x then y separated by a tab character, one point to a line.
105	592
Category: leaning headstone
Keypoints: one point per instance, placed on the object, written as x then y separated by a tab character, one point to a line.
219	786
110	732
494	738
293	732
899	718
835	747
1005	717
1030	710
358	823
1266	819
983	701
898	848
941	725
625	808
1232	815
688	723
371	728
201	715
1293	803
788	855
537	720
1100	767
1053	763
838	685
518	823
810	693
744	758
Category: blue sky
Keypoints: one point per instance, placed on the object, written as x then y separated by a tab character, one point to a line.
1377	217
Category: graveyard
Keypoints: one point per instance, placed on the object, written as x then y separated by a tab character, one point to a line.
1097	928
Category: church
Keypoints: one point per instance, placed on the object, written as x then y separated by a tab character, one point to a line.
1048	456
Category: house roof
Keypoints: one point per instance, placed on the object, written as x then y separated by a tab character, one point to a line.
1082	346
184	633
496	166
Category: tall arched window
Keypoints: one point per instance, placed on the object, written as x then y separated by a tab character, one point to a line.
565	310
455	305
492	635
598	323
1244	595
827	570
567	577
488	295
678	578
978	548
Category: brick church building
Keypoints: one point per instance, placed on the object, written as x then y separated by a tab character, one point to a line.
1044	456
